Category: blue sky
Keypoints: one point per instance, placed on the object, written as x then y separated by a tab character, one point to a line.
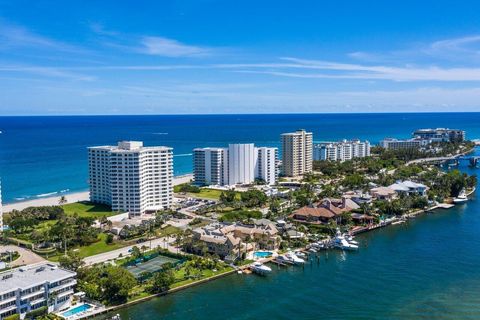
164	57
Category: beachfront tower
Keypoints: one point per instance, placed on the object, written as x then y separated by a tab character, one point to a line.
297	153
241	163
130	177
238	164
208	166
266	165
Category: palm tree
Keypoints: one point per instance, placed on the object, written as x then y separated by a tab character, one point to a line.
178	240
365	208
62	200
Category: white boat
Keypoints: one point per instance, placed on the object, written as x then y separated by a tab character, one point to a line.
260	268
341	243
345	238
319	245
293	257
284	259
312	250
300	254
349	238
462	197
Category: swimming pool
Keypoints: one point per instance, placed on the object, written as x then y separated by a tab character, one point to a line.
262	254
74	311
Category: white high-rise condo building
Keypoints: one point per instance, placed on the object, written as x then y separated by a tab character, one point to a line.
130	177
238	164
241	163
209	168
25	289
341	151
297	153
266	165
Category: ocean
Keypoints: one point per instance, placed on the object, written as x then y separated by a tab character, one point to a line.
42	156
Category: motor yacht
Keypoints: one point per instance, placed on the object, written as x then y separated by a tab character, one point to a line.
300	254
284	259
349	238
260	268
293	257
462	197
342	243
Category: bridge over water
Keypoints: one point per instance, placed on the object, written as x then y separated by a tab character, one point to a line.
474	160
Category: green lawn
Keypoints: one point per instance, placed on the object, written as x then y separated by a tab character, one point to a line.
99	247
88	209
139	291
180	279
167	231
95	248
208	193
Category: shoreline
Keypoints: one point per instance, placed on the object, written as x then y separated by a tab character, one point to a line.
156	295
71	197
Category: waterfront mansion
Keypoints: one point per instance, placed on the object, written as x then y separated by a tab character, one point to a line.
233	239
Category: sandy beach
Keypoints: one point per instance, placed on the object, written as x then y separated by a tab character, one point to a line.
71	197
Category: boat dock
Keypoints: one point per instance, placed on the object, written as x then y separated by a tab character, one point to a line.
444	206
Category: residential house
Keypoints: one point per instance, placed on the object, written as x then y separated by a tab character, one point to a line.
323	211
409	187
383	193
230	239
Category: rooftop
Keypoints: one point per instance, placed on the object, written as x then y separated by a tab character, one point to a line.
130	146
33	275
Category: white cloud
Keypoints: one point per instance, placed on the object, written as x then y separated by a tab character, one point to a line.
170	48
339	70
456	43
48	72
99	29
461	50
15	36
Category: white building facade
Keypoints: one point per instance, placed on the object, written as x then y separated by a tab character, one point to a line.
341	151
209	166
396	144
238	164
130	177
297	153
29	288
241	163
266	165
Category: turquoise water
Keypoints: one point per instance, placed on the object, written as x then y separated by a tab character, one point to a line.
428	268
74	311
262	254
41	156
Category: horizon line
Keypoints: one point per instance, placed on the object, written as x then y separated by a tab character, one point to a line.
235	114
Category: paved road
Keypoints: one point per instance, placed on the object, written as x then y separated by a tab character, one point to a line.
433	159
26	256
111	255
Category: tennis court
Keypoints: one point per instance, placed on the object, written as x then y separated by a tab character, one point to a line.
152	265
